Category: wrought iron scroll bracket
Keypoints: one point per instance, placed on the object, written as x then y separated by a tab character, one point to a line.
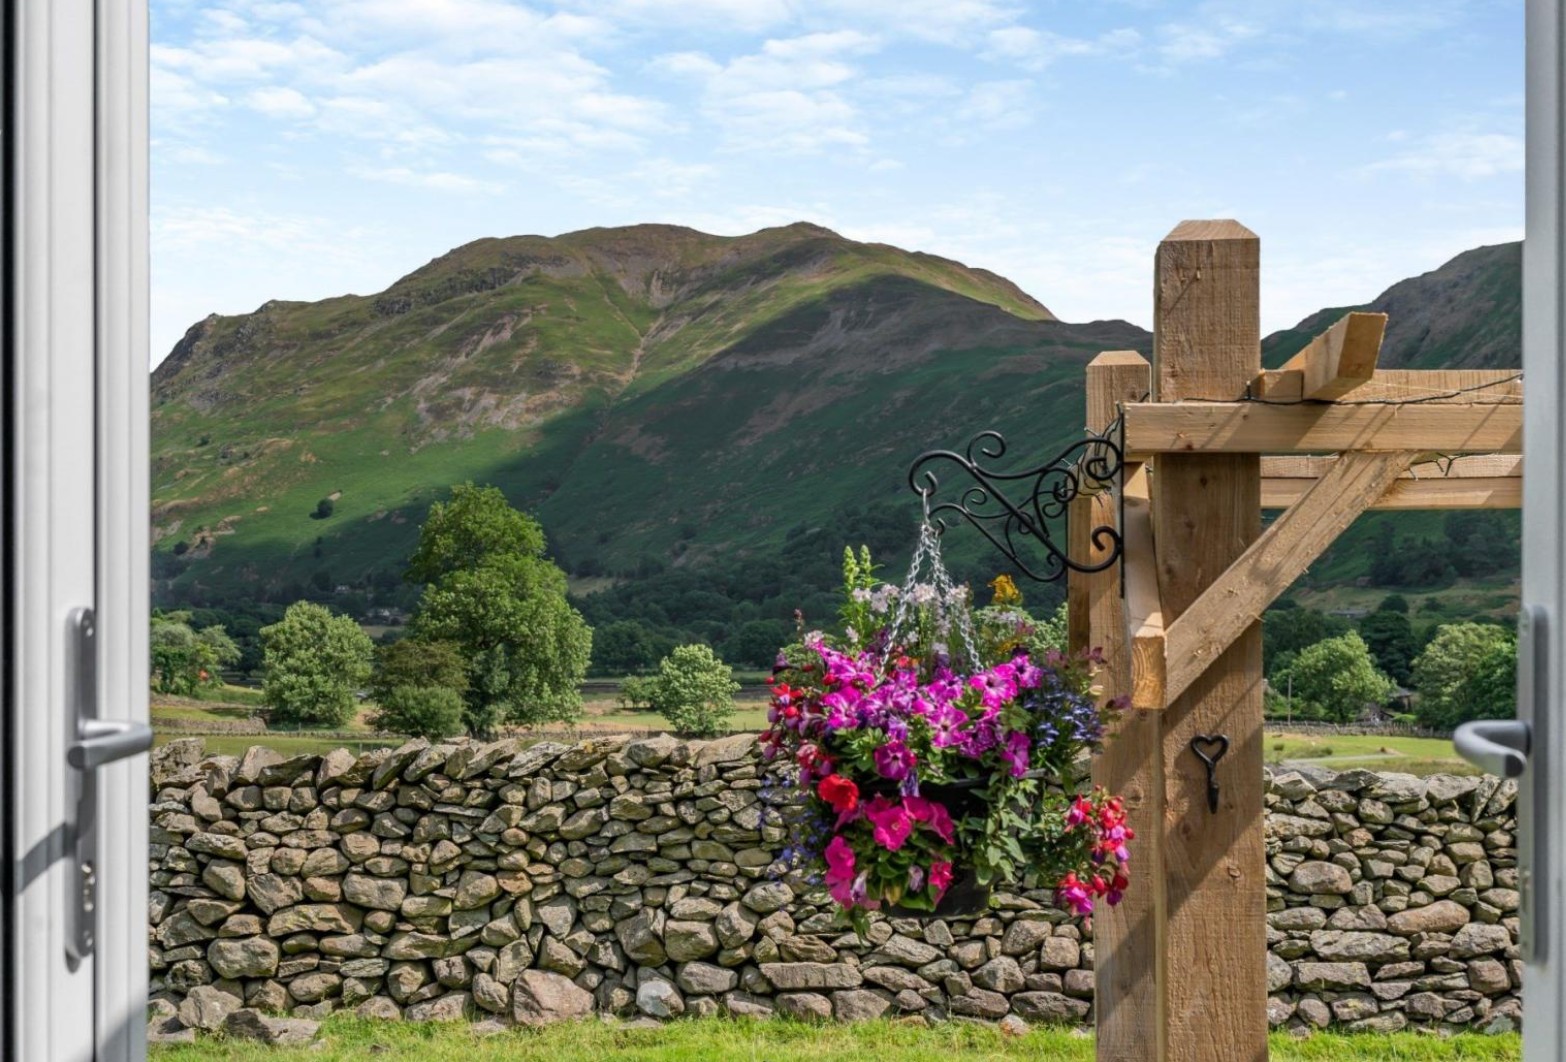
1012	507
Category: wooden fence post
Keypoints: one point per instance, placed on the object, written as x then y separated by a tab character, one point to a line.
1206	511
1126	943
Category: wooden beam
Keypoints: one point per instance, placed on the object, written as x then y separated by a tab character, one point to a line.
1144	609
1235	600
1437	386
1341	358
1206	511
1125	938
1490	481
1255	427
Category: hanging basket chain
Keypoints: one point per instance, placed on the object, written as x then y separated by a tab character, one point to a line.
950	601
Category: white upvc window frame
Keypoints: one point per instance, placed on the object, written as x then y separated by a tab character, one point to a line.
76	534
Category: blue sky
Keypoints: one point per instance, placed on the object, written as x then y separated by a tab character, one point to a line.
302	150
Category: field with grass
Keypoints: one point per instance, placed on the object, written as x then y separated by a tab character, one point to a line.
1376	752
716	1040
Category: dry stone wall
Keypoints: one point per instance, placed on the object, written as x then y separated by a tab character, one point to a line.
639	877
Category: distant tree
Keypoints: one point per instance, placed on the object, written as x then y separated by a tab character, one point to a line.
1490	692
627	647
489	589
1336	678
1290	630
1393	603
315	662
756	643
637	692
185	659
421	711
1392	642
324	509
1447	673
694	691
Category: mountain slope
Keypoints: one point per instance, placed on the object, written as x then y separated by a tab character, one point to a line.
649	391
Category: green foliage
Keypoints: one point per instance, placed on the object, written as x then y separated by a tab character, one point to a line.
418	686
1286	631
1335	679
1393	603
637	692
185	659
489	590
694	691
315	662
627	647
756	642
1392	642
1458	673
421	711
324	509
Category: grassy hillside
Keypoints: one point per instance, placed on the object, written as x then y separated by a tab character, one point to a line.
695	419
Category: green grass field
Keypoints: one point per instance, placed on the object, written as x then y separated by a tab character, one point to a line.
716	1040
1376	752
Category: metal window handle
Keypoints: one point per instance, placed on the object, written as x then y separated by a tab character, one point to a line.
1512	748
1496	746
97	742
104	741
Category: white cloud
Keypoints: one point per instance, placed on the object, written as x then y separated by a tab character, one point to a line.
434	180
996	105
1035	49
788	96
279	101
1466	155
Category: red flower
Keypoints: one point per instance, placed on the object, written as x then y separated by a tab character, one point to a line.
840	792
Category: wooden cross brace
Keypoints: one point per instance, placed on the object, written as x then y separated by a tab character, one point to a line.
1330	396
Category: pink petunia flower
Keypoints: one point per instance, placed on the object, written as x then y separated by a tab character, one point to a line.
940	878
1015	752
931	814
894	760
891	821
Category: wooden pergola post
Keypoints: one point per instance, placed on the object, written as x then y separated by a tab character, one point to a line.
1127	939
1206	512
1181	964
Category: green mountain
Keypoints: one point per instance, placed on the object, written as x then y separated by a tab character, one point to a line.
657	396
700	422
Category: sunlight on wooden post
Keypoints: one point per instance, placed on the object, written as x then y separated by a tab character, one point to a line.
1126	944
1206	512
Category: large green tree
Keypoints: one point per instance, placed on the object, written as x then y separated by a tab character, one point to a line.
185	659
1458	672
315	664
490	590
1392	642
1336	678
1286	631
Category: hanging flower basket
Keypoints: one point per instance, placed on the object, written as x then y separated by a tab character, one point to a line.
936	750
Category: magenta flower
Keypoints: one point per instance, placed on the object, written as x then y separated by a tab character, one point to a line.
932	815
940	878
894	760
891	821
1015	753
995	686
946	726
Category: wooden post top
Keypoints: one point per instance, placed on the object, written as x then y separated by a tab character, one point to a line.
1111	358
1215	229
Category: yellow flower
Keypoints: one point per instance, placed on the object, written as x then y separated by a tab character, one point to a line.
1006	592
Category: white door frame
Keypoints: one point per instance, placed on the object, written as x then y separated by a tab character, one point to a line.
76	535
1542	807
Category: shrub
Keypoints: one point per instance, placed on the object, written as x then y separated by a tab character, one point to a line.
694	691
421	711
637	692
323	509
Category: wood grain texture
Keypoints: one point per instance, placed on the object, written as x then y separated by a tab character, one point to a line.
1254	427
1479	481
1206	512
1341	358
1236	599
1437	386
1143	608
1127	944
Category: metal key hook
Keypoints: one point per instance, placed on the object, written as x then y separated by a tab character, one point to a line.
1219	745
